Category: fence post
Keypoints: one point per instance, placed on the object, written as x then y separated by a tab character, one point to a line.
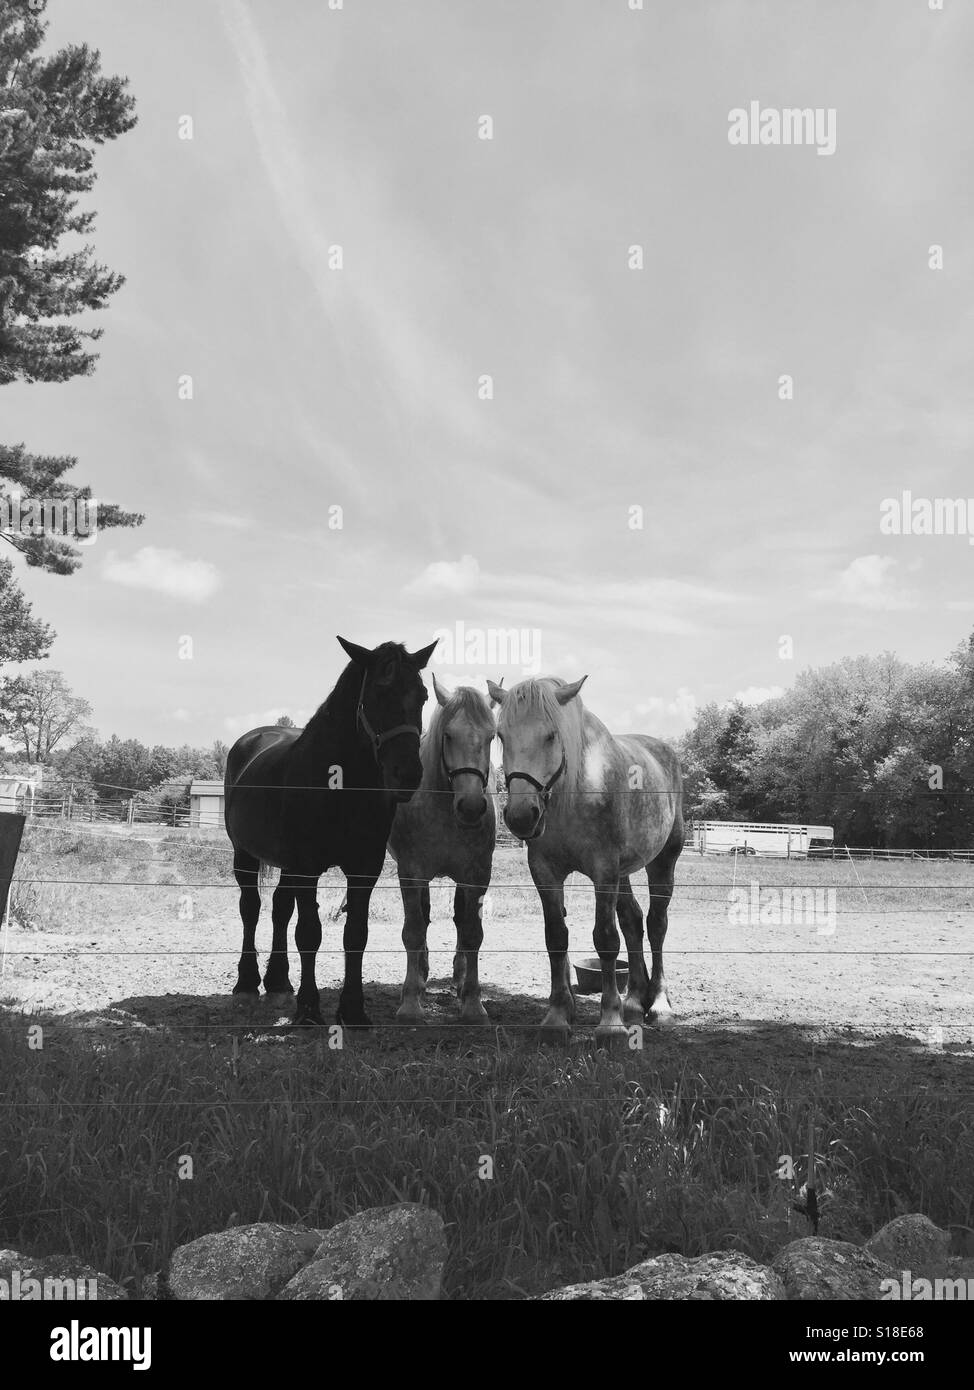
131	810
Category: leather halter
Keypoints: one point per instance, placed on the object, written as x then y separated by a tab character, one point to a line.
543	788
452	772
378	739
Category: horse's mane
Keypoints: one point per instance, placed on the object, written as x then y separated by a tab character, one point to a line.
536	699
343	700
466	698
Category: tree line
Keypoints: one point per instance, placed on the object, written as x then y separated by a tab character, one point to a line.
877	747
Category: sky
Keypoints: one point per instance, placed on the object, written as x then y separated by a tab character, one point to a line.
632	492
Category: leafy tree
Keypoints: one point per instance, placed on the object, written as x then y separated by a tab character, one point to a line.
22	636
284	721
38	711
220	751
122	765
860	745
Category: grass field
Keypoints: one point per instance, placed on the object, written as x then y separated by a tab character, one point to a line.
696	1142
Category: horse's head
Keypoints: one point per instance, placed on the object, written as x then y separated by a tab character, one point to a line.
540	733
389	714
464	732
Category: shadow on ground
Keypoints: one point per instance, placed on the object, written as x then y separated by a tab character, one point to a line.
859	1064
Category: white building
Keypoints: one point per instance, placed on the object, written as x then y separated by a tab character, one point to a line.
755	837
17	790
206	803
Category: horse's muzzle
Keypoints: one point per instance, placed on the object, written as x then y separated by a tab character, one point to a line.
529	826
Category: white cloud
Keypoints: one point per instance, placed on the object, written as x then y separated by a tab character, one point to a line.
757	694
667	716
165	572
867	582
447	576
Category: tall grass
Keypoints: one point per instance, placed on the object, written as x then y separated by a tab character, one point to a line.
596	1161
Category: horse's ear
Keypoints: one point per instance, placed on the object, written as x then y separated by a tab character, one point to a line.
442	696
420	658
564	693
360	655
497	694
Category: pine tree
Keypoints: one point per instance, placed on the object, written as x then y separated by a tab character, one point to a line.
55	110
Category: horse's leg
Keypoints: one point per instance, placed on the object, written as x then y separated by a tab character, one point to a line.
307	938
277	977
660	875
459	955
245	870
415	920
351	1001
561	1002
606	941
425	955
630	917
470	938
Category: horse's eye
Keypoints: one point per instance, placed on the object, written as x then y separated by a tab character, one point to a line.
550	737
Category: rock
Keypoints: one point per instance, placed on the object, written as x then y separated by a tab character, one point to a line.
393	1253
815	1268
51	1277
246	1262
912	1242
717	1277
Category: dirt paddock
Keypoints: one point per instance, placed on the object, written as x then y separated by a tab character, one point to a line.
887	953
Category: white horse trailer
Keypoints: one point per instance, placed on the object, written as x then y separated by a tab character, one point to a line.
755	837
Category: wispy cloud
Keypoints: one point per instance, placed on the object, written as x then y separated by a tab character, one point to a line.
164	572
867	582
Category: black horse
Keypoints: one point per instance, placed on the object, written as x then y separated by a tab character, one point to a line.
307	799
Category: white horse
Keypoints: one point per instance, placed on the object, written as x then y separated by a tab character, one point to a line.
584	799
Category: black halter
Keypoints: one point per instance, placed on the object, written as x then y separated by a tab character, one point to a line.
377	740
543	788
452	772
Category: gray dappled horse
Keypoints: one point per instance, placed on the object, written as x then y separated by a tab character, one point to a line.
605	805
448	829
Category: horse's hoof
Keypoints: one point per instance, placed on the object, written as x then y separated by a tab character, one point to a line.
633	1011
411	1017
612	1035
308	1018
353	1018
555	1028
245	998
474	1014
660	1013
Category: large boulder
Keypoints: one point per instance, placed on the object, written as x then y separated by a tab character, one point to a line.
393	1253
912	1243
722	1275
53	1277
246	1262
817	1269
